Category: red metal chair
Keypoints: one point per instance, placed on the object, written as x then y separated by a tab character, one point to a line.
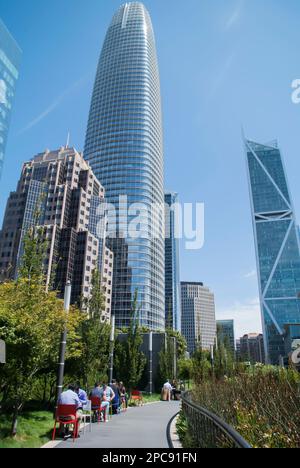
136	395
66	415
97	408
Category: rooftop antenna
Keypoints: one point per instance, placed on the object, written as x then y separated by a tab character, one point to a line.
243	133
68	140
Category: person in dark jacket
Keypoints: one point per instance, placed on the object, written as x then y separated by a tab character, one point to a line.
116	402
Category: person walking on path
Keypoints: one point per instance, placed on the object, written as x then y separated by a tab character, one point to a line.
167	391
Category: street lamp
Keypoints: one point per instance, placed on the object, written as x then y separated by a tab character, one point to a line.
151	363
112	342
2	352
174	358
63	345
212	357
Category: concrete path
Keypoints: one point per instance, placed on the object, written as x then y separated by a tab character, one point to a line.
144	427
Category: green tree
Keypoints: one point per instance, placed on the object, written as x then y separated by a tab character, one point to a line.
130	361
181	345
31	322
185	369
224	363
93	364
167	368
34	250
201	365
166	362
94	304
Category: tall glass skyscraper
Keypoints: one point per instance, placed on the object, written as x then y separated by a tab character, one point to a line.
172	274
124	147
10	55
277	245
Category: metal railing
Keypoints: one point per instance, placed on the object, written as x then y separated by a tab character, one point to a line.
208	430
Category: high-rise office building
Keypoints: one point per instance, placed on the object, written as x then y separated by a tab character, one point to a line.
277	245
198	316
251	348
124	146
238	350
172	275
10	55
55	193
225	333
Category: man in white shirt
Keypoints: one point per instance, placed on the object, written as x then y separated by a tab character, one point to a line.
167	391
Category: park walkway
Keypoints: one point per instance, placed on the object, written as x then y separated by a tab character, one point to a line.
144	427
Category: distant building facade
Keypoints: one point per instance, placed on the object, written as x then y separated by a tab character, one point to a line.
225	333
238	350
55	194
277	245
198	316
172	273
10	56
252	348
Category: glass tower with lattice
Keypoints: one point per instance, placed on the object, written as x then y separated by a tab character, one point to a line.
277	246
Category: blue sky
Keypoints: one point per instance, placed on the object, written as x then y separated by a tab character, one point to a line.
223	64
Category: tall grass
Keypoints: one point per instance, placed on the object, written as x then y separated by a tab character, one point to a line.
262	404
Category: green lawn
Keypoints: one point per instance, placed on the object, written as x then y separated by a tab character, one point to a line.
34	430
151	398
148	399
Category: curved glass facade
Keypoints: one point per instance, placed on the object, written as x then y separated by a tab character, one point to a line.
125	150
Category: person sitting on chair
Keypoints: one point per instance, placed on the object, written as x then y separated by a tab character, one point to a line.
116	401
107	395
97	391
70	397
81	395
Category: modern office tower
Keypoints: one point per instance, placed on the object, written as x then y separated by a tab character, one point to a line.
10	55
252	348
172	276
198	316
55	193
124	147
225	333
277	245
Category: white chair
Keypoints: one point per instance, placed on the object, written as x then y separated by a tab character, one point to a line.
87	414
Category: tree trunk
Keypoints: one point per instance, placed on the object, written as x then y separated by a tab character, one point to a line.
14	428
45	389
